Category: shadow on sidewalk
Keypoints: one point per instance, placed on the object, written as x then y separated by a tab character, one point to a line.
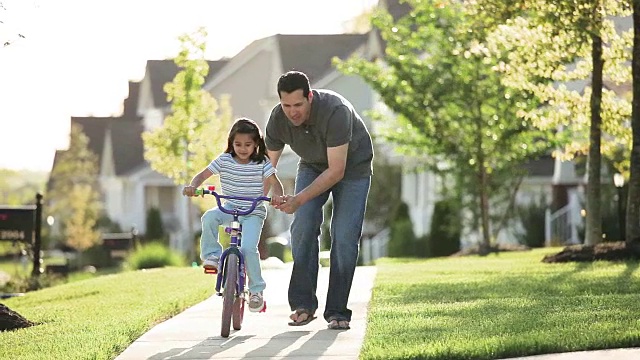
203	350
312	348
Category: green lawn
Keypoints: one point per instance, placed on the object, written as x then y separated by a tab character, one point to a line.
100	317
500	306
504	305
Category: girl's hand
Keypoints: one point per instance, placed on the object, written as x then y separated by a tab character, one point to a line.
189	190
277	200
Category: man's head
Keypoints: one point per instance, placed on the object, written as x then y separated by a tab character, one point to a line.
295	96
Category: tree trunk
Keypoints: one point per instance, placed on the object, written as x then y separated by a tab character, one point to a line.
594	218
11	320
632	234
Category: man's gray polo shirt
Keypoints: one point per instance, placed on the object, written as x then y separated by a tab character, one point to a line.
333	122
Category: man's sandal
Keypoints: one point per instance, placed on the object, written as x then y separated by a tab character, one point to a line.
299	312
338	324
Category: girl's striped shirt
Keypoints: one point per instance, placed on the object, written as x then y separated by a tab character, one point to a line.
242	180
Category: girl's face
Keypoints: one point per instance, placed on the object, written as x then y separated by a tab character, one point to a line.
244	146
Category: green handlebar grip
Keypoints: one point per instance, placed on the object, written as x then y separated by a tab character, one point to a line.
199	191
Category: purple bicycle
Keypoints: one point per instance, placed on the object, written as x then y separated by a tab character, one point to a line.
232	263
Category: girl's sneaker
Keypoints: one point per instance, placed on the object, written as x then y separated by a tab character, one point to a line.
211	263
256	302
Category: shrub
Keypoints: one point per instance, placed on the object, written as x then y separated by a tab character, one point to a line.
154	255
532	218
155	228
402	239
446	228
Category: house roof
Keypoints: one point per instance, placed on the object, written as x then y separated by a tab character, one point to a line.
312	54
161	72
543	166
128	149
396	8
126	134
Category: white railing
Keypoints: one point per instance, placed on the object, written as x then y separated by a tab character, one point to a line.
561	227
374	247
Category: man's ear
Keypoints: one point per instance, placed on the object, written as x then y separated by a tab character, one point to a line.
310	97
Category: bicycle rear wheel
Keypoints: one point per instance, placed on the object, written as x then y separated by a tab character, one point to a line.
229	292
238	312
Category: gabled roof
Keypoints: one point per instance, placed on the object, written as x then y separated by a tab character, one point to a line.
161	72
126	134
542	166
128	148
396	8
312	54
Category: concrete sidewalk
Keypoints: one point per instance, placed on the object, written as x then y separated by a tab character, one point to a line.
195	333
610	354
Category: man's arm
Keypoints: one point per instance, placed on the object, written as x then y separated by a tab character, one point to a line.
337	160
274	156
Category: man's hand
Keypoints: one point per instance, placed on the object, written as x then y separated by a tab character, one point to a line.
289	205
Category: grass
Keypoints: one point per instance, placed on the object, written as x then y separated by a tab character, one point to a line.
100	317
500	306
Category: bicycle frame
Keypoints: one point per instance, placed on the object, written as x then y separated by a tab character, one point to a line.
235	231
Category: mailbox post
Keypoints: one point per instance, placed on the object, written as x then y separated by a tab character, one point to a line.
24	223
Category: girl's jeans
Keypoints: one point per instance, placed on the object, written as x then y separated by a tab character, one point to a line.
251	229
349	203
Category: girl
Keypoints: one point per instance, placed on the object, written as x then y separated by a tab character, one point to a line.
244	170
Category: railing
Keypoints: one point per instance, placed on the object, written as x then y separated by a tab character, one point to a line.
374	247
561	227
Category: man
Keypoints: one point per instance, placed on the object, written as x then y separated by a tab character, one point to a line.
336	156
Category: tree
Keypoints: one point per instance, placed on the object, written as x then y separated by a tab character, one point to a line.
632	235
196	129
14	35
450	104
543	38
75	196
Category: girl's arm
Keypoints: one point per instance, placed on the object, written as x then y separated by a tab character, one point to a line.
197	180
277	190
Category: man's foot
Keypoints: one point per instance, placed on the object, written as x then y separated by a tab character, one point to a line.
210	264
338	325
301	317
256	302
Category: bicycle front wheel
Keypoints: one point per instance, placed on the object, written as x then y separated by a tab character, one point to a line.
238	312
229	292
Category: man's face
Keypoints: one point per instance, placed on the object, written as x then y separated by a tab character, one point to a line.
295	106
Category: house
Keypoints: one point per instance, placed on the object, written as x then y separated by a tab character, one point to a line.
250	79
130	188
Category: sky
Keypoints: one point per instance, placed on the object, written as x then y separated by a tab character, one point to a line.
77	56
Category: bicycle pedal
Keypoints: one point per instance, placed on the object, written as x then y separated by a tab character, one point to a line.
210	271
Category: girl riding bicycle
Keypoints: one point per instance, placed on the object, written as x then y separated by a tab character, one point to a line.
244	169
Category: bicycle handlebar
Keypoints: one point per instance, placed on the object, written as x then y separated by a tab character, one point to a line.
210	190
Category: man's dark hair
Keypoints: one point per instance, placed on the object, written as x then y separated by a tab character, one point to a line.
292	81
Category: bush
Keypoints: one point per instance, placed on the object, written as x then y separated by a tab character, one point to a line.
155	228
154	255
446	228
532	218
402	239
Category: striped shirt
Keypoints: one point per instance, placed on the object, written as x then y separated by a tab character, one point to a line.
242	180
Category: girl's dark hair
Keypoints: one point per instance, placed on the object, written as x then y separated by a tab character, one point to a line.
292	81
248	126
